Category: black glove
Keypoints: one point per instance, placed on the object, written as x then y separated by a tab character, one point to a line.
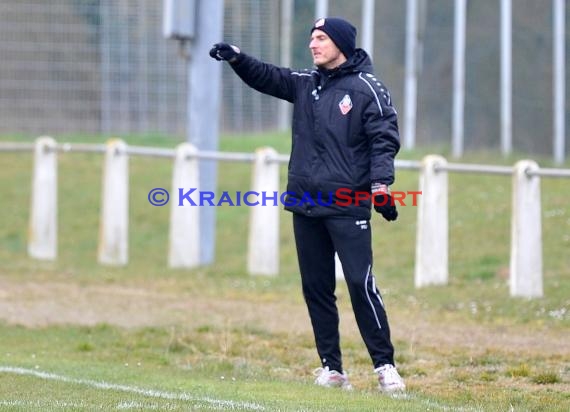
224	51
383	202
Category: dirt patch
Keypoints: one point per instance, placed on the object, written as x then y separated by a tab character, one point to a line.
37	304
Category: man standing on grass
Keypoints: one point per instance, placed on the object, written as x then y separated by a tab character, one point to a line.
345	136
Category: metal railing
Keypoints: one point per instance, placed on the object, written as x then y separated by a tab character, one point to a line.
432	224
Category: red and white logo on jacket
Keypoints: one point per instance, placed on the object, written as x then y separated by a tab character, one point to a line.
345	104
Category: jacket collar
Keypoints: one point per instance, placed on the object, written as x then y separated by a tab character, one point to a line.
359	62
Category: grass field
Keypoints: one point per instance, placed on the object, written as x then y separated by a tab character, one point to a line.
79	336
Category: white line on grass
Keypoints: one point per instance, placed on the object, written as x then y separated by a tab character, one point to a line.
232	405
41	404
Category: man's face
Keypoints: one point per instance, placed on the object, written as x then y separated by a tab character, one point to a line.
324	51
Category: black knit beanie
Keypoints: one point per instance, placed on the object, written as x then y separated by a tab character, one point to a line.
341	32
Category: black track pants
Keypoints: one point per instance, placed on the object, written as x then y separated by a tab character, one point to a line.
317	239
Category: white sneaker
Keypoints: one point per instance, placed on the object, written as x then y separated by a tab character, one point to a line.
331	379
389	380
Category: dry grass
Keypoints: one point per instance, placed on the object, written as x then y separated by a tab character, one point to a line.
463	345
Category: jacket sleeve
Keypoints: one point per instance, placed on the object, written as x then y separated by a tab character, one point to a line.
265	78
381	125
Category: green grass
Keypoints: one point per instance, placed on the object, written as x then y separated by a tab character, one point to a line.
216	333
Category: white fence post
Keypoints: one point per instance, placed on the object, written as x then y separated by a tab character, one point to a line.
42	236
432	227
263	248
114	224
338	271
184	251
526	232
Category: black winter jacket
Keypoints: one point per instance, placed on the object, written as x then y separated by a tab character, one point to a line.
345	132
